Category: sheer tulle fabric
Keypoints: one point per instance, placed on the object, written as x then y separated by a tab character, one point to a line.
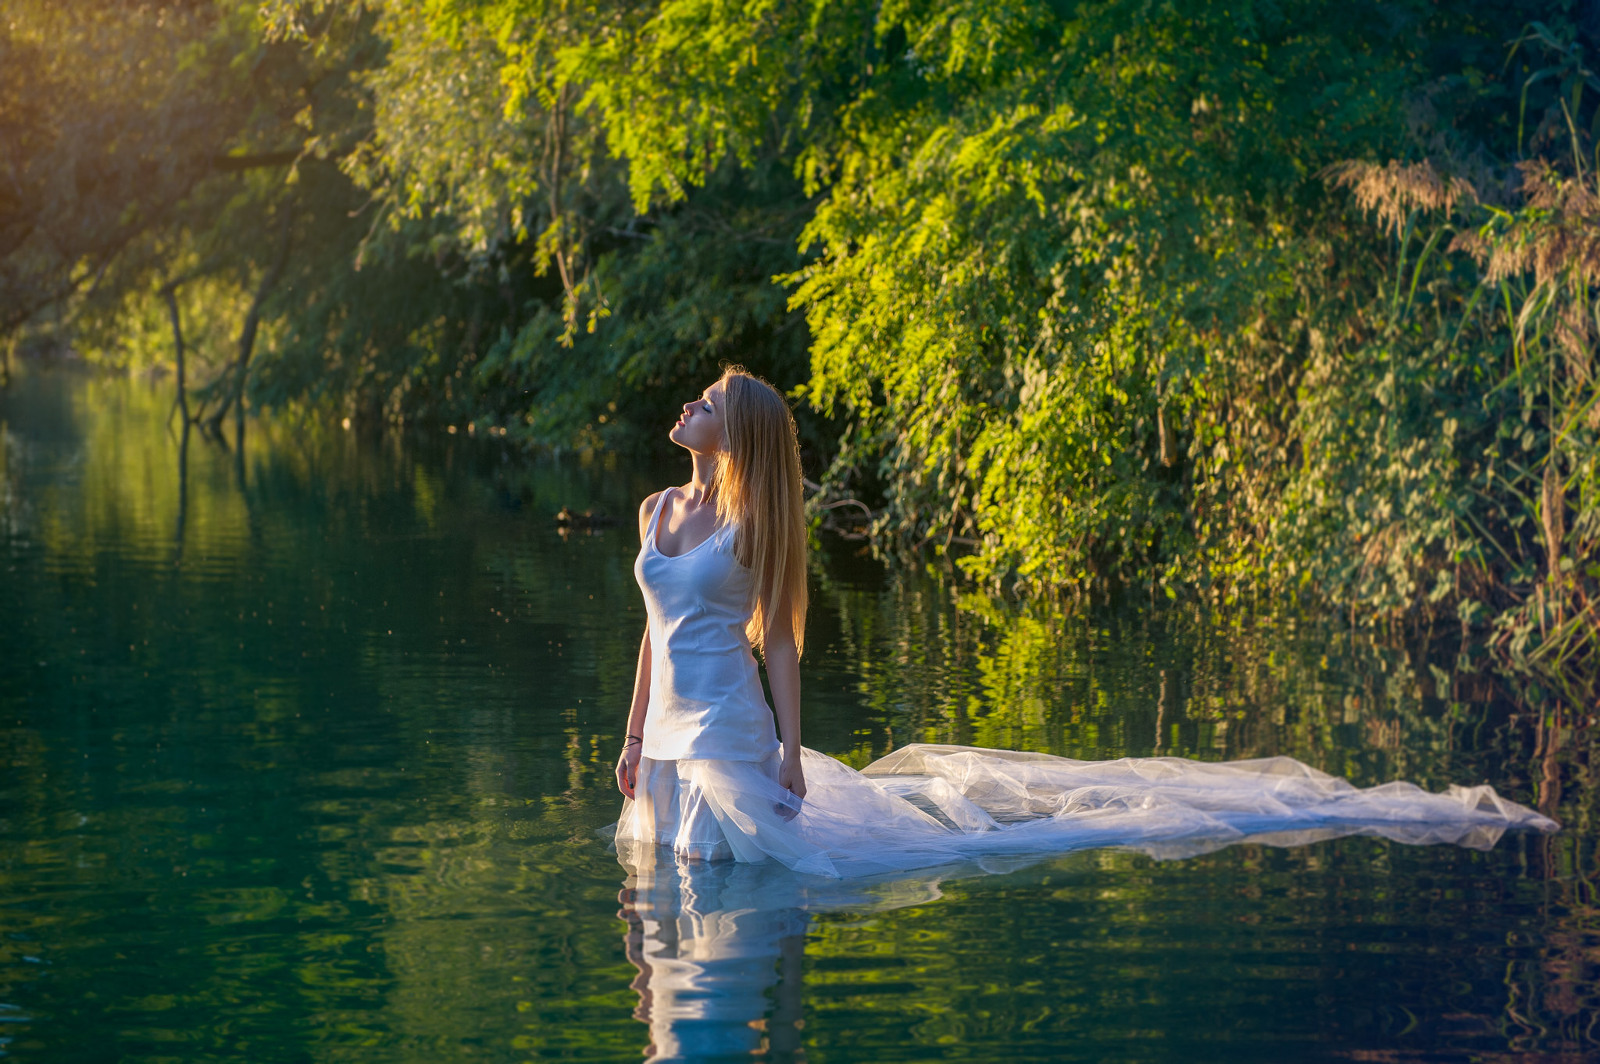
926	805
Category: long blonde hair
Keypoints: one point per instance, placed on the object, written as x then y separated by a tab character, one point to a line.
758	487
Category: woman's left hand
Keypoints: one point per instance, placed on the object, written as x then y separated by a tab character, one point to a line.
791	776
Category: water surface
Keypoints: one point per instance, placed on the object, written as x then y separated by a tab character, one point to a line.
307	738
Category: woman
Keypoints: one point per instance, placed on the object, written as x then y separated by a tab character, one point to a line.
722	568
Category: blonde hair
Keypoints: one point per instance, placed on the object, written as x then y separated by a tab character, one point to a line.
758	487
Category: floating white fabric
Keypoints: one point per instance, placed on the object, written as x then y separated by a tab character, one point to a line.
926	805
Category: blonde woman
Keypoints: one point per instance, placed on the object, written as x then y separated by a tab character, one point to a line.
709	774
723	569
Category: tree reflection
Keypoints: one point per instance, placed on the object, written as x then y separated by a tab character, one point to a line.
183	494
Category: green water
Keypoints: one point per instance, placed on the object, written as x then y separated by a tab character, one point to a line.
306	743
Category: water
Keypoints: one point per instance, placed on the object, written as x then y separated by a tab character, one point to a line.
305	749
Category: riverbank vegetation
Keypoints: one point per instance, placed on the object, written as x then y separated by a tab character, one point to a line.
1289	299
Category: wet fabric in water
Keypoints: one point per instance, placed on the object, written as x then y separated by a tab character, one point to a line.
925	805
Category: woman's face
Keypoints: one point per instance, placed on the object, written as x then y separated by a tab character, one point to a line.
700	428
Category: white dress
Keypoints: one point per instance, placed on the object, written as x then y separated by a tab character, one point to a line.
707	782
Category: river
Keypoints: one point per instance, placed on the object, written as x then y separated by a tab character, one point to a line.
308	738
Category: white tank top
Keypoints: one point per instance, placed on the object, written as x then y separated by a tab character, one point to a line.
705	693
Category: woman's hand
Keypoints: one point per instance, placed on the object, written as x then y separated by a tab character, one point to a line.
628	767
791	775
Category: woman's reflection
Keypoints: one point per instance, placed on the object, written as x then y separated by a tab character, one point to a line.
718	947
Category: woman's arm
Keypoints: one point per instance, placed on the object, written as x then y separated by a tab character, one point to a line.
783	674
641	687
633	740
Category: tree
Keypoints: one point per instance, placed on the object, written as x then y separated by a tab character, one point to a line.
107	123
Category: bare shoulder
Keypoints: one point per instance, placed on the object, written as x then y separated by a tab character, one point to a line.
647	508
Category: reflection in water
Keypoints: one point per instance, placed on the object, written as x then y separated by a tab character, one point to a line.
719	947
183	494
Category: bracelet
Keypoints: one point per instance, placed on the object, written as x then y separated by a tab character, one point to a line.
632	738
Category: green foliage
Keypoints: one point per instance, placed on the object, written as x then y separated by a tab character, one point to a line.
1063	285
685	292
1451	453
109	115
505	279
1081	301
1029	269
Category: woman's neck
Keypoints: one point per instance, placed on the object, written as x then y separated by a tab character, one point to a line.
698	489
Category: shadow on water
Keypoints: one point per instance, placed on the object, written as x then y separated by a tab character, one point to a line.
307	741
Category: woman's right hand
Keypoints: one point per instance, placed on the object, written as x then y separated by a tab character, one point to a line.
628	768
